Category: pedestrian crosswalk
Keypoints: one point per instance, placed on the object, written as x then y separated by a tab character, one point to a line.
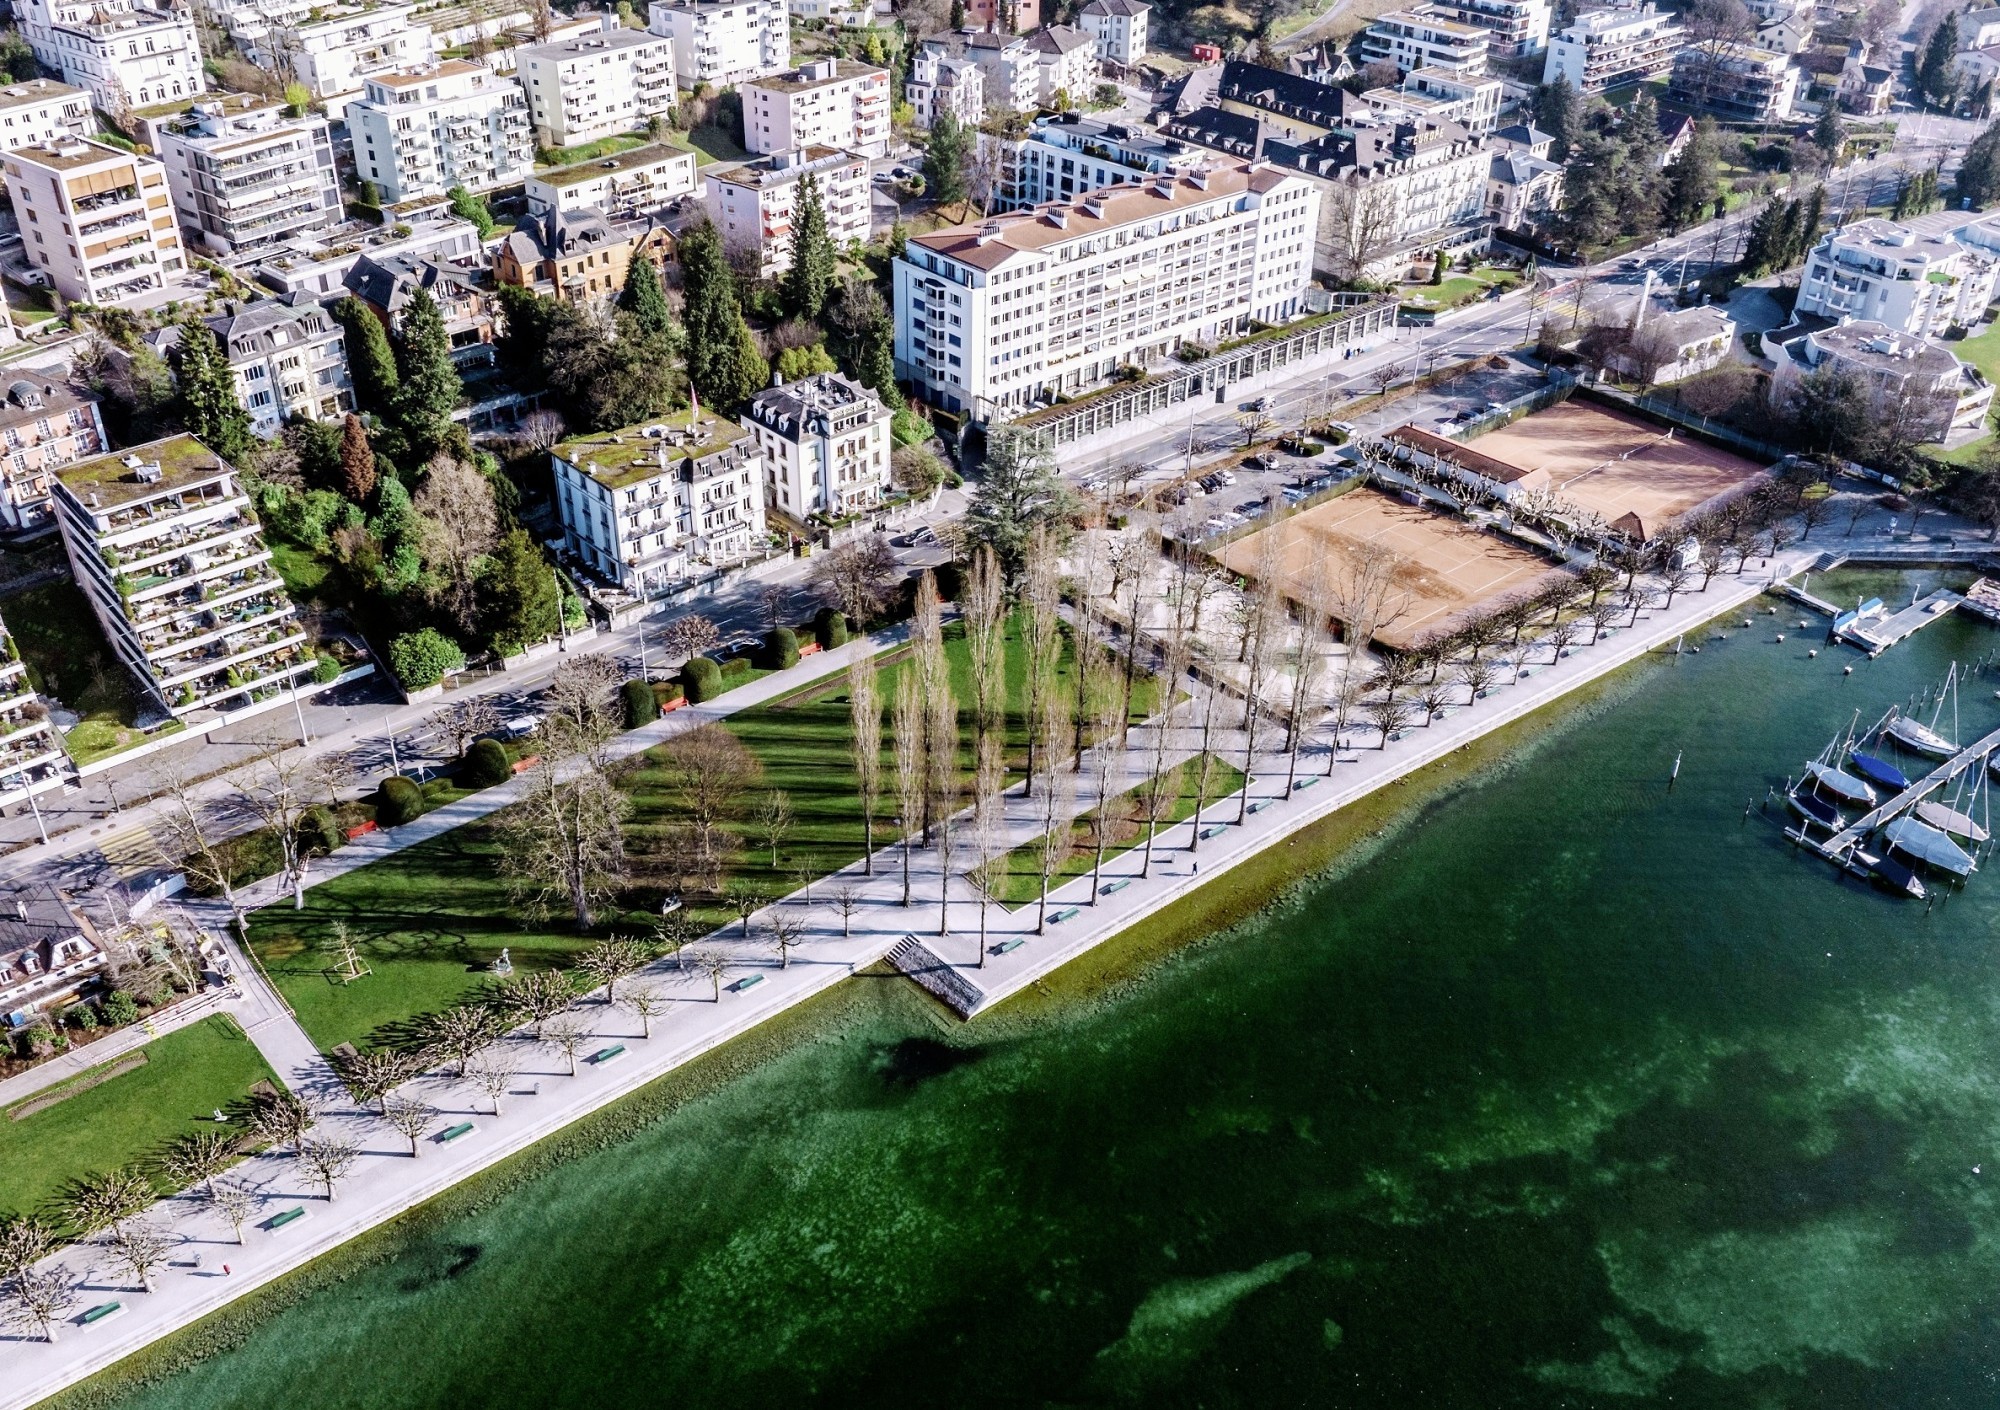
134	852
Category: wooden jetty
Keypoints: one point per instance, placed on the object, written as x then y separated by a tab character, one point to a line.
1800	595
1972	756
1876	636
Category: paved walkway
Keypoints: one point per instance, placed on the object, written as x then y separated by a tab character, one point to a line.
703	1013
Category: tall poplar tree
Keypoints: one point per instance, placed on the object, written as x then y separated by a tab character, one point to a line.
370	360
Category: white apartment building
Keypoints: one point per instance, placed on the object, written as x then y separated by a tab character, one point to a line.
98	221
1065	154
942	82
1433	95
639	182
753	204
44	425
995	316
1418	39
1119	27
657	506
1067	60
597	85
1012	68
123	53
828	102
164	544
1886	273
1514	27
334	50
825	445
32	759
1608	48
1735	82
1909	380
289	358
723	42
456	124
320	263
41	110
245	176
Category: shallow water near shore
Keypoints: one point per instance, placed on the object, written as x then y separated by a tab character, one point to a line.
1576	1091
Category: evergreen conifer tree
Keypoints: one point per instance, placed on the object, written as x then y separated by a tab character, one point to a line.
1937	80
716	333
645	299
1979	174
1827	134
370	361
945	159
357	461
430	387
208	403
810	279
518	592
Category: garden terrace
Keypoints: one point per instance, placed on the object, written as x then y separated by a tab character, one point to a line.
187	470
635	454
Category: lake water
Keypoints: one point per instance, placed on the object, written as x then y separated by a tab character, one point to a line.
1574	1091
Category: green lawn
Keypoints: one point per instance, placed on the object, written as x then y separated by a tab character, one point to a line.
136	1115
590	151
711	144
1983	352
1020	881
1458	289
69	660
431	920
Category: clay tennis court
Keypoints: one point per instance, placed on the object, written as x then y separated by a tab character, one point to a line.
1616	465
1444	566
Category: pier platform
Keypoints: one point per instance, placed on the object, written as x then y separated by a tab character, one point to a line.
1877	635
1973	756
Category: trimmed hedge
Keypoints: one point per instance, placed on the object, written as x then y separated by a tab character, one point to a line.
781	648
319	832
485	764
732	670
398	801
701	678
830	628
641	708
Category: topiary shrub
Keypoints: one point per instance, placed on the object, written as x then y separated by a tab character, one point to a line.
830	628
701	678
736	669
118	1009
781	648
325	669
319	832
398	801
950	581
485	764
641	708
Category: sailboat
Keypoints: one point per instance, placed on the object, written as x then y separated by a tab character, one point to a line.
1950	820
1876	772
1814	808
1891	875
1955	816
1925	739
1928	845
1841	785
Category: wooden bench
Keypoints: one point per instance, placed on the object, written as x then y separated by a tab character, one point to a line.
604	1055
289	1216
1112	888
103	1312
355	834
748	982
1066	913
1008	947
452	1133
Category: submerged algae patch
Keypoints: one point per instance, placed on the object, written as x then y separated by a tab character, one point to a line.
1179	1322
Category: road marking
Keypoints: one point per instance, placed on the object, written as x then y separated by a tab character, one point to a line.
133	852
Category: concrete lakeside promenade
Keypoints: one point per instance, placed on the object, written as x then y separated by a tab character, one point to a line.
701	1016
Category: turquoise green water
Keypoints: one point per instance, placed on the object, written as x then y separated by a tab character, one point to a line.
1577	1092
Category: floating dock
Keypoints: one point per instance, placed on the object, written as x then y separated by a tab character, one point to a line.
1877	635
1837	847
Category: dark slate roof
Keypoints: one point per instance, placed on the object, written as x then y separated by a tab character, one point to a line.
1524	133
808	400
34	914
388	283
1061	39
1289	94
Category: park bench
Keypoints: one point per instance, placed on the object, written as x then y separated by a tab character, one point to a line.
360	830
289	1216
1214	830
522	765
1008	947
1261	804
1112	888
103	1312
748	982
1066	913
1303	784
452	1133
604	1055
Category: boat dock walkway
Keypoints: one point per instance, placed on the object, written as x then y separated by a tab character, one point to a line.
1877	635
1973	755
1799	594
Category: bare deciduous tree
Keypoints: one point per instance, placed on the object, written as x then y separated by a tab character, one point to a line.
566	838
141	1247
708	771
645	1003
712	962
40	1297
609	961
493	1079
846	900
910	771
460	526
775	821
858	577
1057	785
282	1117
864	714
409	1118
328	1159
233	1205
689	636
1042	638
787	932
567	1035
1358	224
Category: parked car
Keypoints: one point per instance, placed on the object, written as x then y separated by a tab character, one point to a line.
1256	462
1258	404
739	646
518	727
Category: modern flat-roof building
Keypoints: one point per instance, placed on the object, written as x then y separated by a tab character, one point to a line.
638	182
828	102
1120	28
1882	272
722	42
942	82
1066	65
41	110
1603	49
164	544
98	220
32	758
455	124
1433	95
44	425
656	506
318	263
1420	39
1067	153
1735	82
596	85
753	203
825	444
1012	69
335	49
245	176
997	315
123	53
1914	386
1515	28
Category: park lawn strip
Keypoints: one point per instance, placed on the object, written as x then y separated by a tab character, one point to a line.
1016	879
189	1074
429	921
